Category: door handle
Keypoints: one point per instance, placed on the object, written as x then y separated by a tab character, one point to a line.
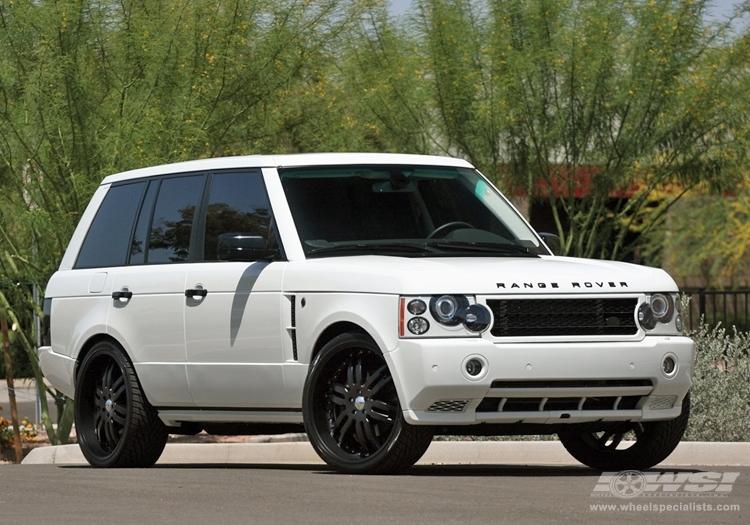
122	295
193	292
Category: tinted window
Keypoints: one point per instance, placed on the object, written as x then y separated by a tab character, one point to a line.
108	238
172	224
238	203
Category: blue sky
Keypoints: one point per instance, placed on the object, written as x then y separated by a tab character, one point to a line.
720	9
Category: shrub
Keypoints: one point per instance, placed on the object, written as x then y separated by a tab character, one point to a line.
720	395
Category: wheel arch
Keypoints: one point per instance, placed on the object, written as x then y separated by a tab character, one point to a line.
89	344
334	330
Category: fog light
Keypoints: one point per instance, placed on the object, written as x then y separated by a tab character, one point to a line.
669	366
473	367
418	325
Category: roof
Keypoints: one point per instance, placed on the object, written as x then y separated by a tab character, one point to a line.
288	161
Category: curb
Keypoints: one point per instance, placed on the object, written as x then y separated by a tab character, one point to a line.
439	453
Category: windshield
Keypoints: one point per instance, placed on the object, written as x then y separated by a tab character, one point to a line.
405	211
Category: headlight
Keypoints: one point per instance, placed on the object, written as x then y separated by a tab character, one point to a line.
659	308
445	315
446	309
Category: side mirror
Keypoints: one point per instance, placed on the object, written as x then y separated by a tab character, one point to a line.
244	247
552	241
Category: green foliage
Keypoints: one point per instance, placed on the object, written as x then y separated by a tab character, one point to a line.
715	249
720	395
628	98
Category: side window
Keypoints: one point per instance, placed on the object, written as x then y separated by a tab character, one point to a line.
238	203
108	238
172	223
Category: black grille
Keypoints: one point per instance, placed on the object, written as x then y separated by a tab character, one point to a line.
538	317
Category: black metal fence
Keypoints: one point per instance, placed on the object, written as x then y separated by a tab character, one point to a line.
728	307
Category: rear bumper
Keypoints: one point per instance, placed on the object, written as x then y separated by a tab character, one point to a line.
542	383
59	370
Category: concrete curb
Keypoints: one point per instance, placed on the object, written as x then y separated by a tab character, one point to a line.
439	453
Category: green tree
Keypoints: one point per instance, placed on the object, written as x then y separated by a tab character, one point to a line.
93	87
641	96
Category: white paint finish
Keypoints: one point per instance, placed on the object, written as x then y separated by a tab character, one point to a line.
282	216
474	275
151	326
288	161
427	371
165	384
233	335
97	282
58	370
77	319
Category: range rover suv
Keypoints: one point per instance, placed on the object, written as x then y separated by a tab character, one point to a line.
373	300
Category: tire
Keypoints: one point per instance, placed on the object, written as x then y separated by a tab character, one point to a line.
654	441
116	425
352	412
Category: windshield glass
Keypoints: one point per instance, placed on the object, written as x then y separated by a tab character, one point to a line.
403	210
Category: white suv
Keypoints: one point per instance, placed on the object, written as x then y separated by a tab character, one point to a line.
376	299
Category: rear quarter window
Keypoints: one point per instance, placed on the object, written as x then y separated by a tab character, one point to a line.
108	240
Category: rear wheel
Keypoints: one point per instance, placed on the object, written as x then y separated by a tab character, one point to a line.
116	425
352	413
652	442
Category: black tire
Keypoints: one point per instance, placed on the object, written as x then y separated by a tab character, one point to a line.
115	424
654	441
352	413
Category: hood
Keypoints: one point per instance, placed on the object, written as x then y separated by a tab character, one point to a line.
473	275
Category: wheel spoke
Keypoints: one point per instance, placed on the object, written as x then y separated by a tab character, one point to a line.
110	434
371	435
344	430
350	375
383	382
638	430
118	388
360	435
616	439
374	377
117	418
337	399
358	372
107	377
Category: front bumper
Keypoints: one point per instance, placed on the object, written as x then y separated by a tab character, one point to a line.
542	383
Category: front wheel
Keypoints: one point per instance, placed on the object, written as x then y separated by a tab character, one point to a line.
116	425
352	413
652	442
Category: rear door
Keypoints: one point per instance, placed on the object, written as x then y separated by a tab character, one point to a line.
149	314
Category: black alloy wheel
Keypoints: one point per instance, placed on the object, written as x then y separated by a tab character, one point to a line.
651	442
352	412
116	425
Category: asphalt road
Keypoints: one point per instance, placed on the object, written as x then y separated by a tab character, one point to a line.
287	494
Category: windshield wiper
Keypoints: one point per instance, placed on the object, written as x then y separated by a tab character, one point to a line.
373	248
484	247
